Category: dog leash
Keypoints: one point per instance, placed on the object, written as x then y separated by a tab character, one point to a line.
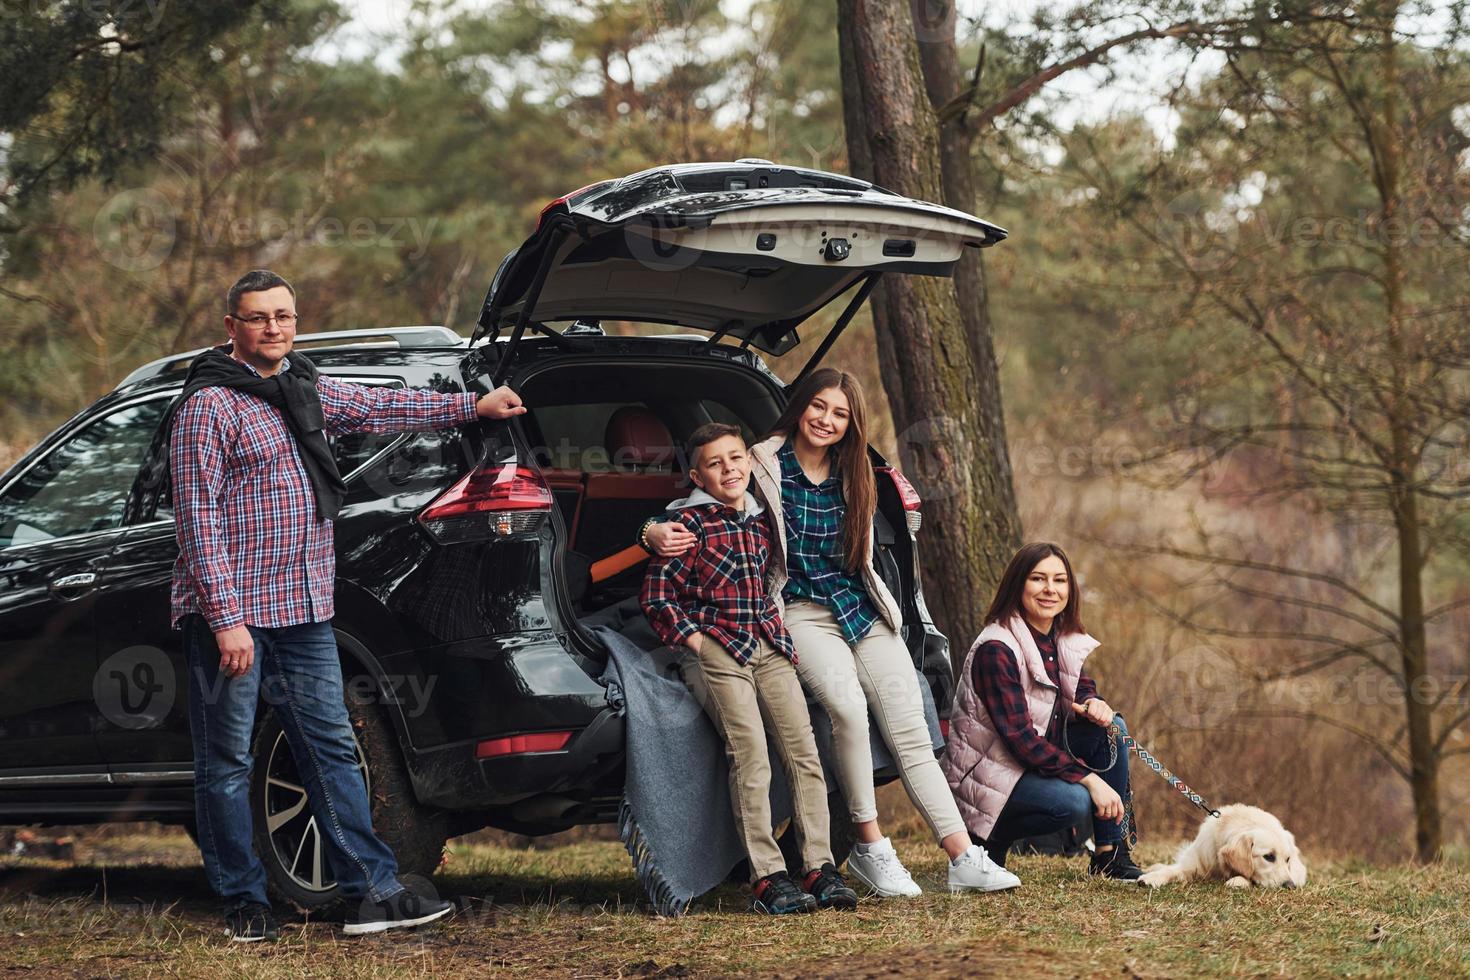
1130	832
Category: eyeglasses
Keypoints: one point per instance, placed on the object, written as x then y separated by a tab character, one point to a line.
285	320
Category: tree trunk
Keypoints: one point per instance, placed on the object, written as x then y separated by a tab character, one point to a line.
1423	759
943	80
950	437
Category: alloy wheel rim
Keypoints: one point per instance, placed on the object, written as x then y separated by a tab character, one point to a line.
292	828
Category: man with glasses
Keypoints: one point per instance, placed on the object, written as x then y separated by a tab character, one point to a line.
255	490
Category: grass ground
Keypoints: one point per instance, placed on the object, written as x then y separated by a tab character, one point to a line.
138	906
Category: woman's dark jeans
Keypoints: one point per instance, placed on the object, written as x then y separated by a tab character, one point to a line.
1045	804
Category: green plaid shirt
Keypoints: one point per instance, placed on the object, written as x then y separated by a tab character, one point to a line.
814	559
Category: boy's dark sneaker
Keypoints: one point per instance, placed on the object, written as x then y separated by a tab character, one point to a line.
405	908
828	888
777	894
251	922
1116	864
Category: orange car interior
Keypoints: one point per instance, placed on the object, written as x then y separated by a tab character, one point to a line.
599	508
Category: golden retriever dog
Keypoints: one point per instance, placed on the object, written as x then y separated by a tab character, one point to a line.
1245	845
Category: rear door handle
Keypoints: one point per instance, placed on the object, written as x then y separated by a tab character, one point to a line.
81	582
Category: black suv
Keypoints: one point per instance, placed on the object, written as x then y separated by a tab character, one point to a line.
471	563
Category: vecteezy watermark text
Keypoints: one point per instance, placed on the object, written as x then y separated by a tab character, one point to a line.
1210	235
136	230
137	688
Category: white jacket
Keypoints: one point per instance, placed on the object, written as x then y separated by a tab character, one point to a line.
766	475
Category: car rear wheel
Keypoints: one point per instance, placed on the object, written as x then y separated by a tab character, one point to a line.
288	837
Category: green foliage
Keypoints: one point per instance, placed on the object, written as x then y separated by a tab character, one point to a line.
88	88
386	185
1135	230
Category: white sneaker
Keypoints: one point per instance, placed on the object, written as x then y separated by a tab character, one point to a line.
880	870
974	871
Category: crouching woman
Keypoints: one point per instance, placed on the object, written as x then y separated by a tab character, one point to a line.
1015	765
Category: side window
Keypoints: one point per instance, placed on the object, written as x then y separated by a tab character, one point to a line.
356	448
82	484
350	450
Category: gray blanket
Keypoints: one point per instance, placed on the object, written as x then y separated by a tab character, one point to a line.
675	818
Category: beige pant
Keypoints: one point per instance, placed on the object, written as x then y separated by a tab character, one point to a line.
745	703
878	674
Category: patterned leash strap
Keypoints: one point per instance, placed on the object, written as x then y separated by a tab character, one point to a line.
1130	829
1158	767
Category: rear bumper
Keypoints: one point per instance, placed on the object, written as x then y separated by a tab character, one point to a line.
534	786
549	791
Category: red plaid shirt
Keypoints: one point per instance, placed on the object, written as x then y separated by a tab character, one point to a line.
997	680
251	549
718	587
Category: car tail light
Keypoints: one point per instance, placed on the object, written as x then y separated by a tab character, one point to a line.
944	728
908	496
491	502
567	197
522	744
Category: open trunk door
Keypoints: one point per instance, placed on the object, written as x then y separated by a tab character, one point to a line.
747	250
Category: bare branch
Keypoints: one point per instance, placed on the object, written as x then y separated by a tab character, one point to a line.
1260	566
1386	752
960	105
50	304
1290	600
1327	660
1438	611
1451	726
1257	322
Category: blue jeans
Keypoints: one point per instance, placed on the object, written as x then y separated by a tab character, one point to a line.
1045	804
297	669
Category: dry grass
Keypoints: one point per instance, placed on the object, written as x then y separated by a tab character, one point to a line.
575	911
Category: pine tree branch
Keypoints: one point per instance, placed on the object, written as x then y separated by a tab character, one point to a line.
962	103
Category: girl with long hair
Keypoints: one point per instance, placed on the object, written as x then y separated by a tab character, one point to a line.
813	470
1018	769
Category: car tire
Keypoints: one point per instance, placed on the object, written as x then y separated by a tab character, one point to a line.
297	868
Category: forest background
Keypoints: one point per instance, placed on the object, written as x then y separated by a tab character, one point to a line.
1229	321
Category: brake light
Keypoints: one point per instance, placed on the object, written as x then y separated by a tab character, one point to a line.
551	204
522	744
490	502
907	496
567	197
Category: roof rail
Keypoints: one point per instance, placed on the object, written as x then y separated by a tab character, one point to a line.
404	336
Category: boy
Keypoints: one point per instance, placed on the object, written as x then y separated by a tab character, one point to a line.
714	601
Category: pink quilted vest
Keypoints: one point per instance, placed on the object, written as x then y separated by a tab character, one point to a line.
980	769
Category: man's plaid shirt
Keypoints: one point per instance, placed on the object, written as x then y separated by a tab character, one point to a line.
251	549
814	548
718	587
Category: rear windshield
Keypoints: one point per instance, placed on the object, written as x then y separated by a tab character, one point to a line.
573	409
